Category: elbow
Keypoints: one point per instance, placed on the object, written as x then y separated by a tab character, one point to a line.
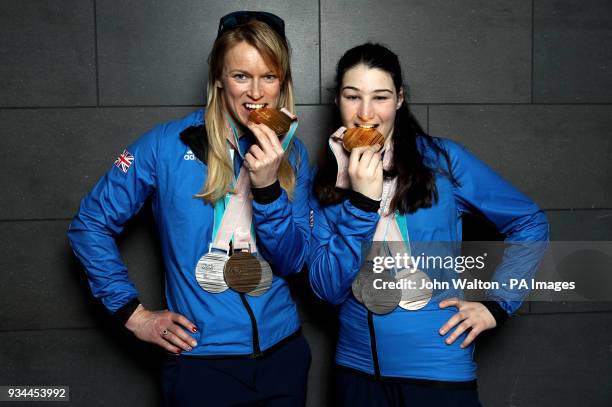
325	289
531	228
541	227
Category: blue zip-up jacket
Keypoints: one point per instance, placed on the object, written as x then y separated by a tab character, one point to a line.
165	168
406	344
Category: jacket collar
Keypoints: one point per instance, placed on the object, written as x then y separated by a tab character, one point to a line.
196	139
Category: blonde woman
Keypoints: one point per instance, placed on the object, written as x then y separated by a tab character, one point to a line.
230	201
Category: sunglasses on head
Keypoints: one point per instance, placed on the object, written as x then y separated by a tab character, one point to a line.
237	18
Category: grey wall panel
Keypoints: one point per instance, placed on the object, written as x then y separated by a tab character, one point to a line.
421	113
42	285
572	51
101	368
584	225
580	225
452	52
47	51
51	158
552	360
156	55
322	346
560	156
314	128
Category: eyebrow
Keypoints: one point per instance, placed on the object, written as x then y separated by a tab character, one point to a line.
358	90
232	71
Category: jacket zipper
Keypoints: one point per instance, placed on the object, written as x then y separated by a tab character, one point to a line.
256	350
373	345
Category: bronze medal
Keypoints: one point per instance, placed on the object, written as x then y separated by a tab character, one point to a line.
417	297
209	272
266	279
376	297
276	120
242	272
358	137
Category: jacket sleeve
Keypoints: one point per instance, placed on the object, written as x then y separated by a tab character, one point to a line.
116	197
339	235
281	227
518	218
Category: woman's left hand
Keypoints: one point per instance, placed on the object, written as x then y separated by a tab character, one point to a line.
263	158
472	315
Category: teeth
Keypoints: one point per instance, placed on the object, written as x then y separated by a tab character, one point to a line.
367	126
253	106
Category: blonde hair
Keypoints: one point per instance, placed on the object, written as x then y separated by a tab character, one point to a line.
275	52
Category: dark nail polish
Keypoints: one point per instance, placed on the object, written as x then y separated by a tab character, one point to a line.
194	329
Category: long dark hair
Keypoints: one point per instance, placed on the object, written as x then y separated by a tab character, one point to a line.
416	186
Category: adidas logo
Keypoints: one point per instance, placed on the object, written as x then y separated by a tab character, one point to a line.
189	155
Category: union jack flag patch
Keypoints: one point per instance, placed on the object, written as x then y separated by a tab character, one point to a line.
124	161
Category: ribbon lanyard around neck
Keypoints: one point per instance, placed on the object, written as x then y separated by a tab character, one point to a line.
238	204
391	227
234	209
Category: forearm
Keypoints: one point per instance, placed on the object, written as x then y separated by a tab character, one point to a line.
337	252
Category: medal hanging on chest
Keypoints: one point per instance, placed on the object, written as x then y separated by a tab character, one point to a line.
381	293
243	271
209	272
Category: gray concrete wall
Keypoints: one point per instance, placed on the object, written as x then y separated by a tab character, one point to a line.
525	84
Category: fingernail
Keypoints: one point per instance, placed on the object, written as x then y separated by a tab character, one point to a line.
448	342
442	331
194	344
188	349
194	329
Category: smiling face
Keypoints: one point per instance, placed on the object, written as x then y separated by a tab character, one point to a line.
368	99
247	83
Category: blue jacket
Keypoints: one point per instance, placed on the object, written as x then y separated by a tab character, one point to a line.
406	344
165	168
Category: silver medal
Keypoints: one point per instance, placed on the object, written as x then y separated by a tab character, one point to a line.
209	272
416	293
360	280
382	299
266	279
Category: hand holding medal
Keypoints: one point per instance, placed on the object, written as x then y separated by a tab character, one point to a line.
365	171
264	158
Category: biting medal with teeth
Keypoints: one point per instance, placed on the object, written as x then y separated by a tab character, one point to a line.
361	136
276	120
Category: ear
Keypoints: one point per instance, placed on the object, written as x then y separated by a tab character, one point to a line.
400	98
218	84
336	100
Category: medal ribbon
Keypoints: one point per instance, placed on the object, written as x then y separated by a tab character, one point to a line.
234	213
390	226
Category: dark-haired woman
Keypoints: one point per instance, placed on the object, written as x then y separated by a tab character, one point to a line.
406	357
232	334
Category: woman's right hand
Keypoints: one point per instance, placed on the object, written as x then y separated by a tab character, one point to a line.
163	328
365	171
